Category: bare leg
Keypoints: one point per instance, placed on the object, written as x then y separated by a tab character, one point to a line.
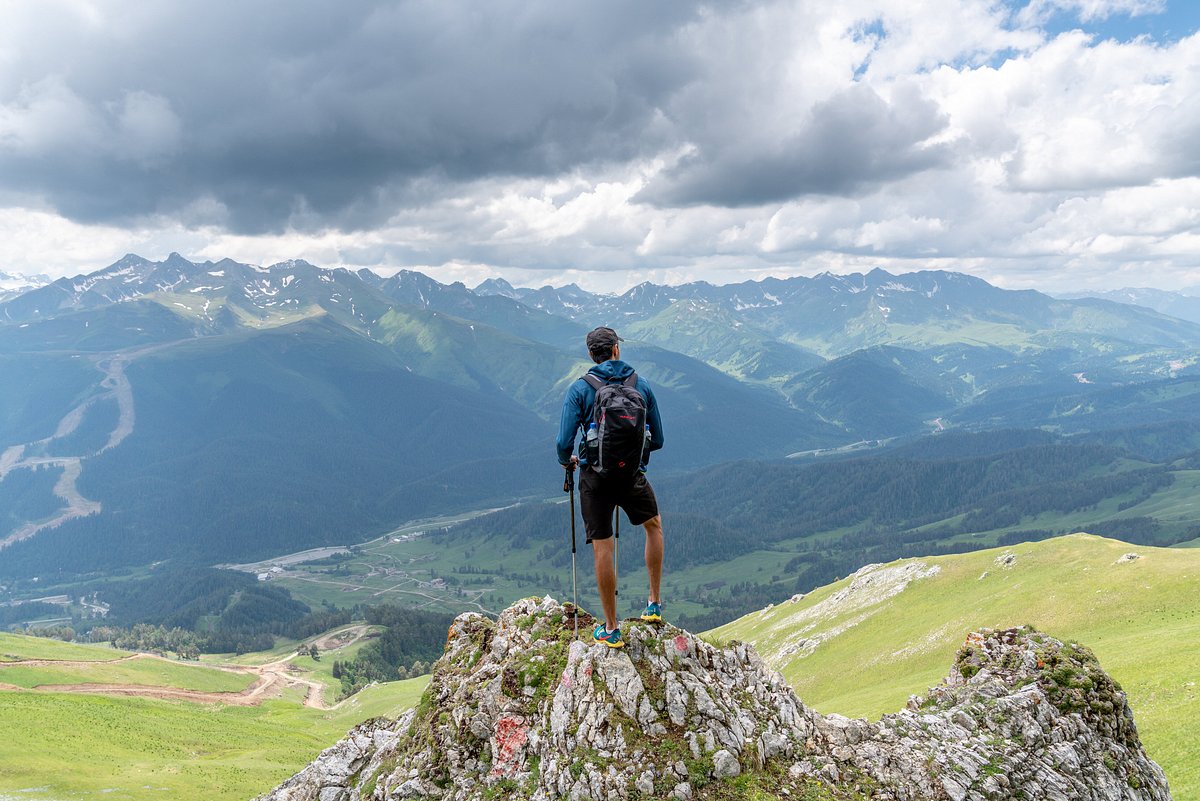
654	555
606	579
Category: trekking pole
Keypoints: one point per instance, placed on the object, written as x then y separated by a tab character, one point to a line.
616	552
569	486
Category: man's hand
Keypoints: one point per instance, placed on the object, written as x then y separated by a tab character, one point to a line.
569	476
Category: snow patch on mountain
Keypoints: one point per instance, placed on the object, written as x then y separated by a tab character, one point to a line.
14	284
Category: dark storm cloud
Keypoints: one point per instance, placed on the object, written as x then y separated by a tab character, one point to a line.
327	112
854	140
260	116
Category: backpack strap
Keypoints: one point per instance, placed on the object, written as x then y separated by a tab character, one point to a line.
595	383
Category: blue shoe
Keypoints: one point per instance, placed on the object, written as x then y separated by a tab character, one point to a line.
653	613
610	638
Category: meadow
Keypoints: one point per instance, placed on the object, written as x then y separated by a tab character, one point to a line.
142	671
1141	617
60	745
15	647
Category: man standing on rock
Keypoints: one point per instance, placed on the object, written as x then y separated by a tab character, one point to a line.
615	412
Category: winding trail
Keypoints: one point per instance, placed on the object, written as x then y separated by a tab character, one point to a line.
116	387
271	680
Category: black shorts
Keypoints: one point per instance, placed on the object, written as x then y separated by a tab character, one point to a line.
598	496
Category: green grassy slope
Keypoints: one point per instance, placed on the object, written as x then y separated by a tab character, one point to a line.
127	749
1142	619
142	672
16	647
83	746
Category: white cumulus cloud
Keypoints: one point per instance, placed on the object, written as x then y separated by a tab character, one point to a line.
605	144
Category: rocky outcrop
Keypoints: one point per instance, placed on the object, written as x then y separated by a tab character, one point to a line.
517	708
338	771
852	605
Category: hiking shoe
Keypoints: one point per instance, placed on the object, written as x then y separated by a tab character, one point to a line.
653	613
610	638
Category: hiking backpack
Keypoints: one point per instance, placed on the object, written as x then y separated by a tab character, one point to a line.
619	416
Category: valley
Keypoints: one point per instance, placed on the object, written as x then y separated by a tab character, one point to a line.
246	681
495	558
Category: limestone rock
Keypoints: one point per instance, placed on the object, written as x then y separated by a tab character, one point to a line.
725	765
332	775
517	709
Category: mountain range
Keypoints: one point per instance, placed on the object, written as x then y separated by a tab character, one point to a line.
12	285
1184	305
219	411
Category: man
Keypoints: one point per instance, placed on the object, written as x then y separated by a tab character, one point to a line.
600	493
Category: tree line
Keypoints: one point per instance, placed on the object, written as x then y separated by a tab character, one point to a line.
411	642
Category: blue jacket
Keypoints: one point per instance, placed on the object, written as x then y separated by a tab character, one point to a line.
577	411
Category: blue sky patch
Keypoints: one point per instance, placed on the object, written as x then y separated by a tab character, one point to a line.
1179	19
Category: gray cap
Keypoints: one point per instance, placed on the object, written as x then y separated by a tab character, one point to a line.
602	339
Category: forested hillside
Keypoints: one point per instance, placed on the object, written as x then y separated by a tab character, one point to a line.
745	534
247	446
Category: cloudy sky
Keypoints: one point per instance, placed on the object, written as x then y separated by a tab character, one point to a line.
1036	143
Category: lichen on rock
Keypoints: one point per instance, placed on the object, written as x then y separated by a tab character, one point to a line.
517	708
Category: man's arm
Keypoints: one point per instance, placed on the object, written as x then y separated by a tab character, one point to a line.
653	420
568	424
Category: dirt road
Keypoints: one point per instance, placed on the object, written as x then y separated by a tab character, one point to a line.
342	638
271	679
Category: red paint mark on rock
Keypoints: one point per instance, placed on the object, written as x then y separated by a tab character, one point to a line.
511	735
567	681
681	643
587	671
